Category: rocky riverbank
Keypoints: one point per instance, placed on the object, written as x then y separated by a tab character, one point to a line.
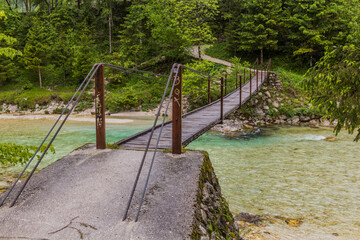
274	105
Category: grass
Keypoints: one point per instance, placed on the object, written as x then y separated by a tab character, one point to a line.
219	50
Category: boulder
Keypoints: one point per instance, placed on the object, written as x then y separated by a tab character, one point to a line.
304	118
275	104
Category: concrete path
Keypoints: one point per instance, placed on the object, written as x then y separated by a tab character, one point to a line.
83	196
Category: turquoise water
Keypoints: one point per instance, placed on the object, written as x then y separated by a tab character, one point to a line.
73	135
291	172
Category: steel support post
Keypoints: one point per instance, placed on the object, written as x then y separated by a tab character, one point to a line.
225	83
222	101
177	112
257	75
236	79
240	89
100	108
250	83
209	99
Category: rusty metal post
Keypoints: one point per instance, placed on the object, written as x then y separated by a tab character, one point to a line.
209	99
250	82
240	89
244	76
225	83
236	79
100	108
222	101
177	113
257	75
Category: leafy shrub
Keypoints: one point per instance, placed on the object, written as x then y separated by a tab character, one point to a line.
83	105
13	154
121	101
60	110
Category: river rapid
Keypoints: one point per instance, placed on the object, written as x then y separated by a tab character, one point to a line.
276	172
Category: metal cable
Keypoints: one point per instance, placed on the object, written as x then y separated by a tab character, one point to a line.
133	69
129	72
48	134
204	75
56	133
194	99
147	147
157	145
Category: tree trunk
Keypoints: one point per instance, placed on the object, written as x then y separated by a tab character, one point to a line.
261	56
311	61
78	2
40	77
27	5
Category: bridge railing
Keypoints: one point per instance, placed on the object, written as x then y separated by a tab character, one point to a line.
174	83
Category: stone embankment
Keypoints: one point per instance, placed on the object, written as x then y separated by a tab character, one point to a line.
273	105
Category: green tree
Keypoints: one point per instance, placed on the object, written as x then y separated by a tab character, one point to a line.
311	25
6	42
36	49
255	26
168	27
83	54
334	83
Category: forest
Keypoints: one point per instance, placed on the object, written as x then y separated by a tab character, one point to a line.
54	43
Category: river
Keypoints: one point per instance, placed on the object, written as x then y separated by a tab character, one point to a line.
279	171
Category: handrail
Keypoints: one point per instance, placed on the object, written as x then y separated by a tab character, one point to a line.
86	82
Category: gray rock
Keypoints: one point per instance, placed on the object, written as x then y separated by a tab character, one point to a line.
304	118
203	216
259	112
268	94
295	119
203	231
266	107
276	104
314	122
248	217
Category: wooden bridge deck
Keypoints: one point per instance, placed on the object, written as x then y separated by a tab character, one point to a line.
195	123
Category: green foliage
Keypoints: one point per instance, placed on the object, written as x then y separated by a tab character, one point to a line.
60	110
14	154
195	86
218	50
290	79
6	50
256	27
116	102
334	86
83	105
29	98
167	27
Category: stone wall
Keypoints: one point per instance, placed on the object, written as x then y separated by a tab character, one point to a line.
213	219
274	104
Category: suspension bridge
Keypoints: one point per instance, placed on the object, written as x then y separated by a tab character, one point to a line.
174	134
